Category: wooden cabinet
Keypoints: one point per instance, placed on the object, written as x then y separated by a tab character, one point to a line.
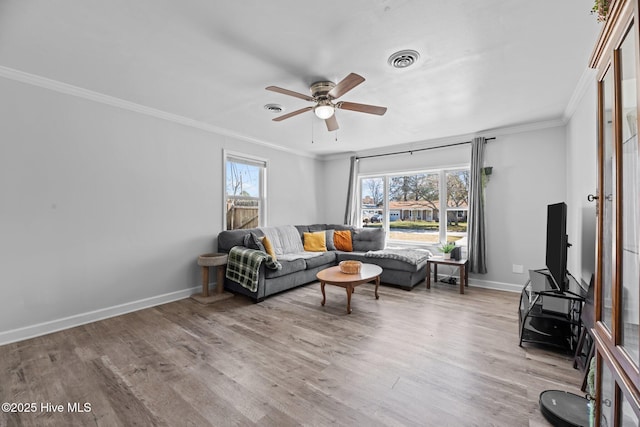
617	292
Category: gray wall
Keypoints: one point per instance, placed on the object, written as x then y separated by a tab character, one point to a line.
528	174
581	181
531	169
104	210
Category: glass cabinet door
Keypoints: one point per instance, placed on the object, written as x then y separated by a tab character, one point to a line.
607	397
617	287
608	207
629	297
628	417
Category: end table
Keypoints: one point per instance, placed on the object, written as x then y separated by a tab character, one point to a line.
462	264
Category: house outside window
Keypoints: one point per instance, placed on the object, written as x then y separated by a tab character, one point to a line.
245	191
408	206
372	190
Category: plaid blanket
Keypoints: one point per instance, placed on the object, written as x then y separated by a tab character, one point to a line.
243	266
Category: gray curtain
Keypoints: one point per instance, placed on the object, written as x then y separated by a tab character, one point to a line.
351	214
476	249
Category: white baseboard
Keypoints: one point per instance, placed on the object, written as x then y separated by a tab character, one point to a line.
499	286
44	328
487	284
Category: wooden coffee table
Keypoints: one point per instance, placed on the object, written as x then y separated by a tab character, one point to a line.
333	276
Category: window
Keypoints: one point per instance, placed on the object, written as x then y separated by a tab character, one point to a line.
372	201
245	191
408	205
413	201
457	204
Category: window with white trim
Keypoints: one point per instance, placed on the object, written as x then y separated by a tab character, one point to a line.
424	207
245	197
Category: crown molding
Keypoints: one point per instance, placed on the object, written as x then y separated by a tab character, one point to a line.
488	133
587	79
112	101
71	90
524	127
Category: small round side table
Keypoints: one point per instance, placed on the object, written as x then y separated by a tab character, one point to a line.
205	261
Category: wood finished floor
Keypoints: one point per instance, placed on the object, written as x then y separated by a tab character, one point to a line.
419	358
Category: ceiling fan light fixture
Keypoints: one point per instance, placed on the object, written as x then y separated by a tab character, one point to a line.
323	95
323	111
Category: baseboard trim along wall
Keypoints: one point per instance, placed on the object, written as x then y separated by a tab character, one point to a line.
499	286
44	328
486	284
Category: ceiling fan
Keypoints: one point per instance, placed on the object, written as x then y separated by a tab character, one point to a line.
323	94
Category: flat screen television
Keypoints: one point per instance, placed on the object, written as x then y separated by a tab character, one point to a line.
557	244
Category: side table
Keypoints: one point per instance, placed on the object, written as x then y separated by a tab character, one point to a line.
218	260
462	264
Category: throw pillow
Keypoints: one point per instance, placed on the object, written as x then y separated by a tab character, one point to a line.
252	241
329	239
268	247
315	242
342	240
368	239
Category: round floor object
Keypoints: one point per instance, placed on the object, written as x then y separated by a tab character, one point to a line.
564	409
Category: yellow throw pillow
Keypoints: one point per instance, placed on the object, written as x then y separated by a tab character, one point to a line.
342	240
315	242
268	247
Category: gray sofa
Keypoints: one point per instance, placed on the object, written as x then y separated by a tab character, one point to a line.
299	271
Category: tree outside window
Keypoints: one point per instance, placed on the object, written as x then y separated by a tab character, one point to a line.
372	201
414	207
244	192
457	203
425	208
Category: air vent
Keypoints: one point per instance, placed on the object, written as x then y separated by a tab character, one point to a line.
403	59
274	108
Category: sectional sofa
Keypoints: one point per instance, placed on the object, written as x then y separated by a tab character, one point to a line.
400	267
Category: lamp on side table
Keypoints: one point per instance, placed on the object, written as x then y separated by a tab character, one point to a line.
218	260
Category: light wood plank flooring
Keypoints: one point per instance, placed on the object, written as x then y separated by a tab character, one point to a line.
419	358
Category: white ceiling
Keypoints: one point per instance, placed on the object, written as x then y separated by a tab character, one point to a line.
483	65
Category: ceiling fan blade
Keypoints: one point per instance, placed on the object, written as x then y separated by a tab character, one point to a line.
332	123
290	93
345	85
293	113
362	108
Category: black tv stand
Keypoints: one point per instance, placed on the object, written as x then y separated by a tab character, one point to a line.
565	282
547	273
549	316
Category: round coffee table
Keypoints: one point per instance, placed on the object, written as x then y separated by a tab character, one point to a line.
333	276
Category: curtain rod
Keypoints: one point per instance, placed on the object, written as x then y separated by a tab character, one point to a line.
420	149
